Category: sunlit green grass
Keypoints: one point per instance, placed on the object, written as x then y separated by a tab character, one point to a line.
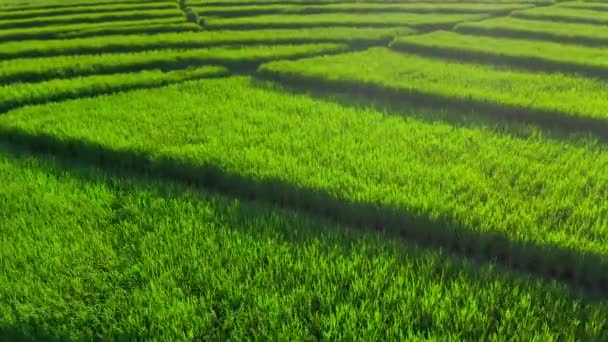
532	189
88	18
128	43
31	69
91	255
526	53
556	13
544	29
21	94
412	75
230	10
340	19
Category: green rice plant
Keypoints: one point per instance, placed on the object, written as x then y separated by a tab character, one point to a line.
538	29
340	19
521	93
132	29
521	199
36	69
90	254
112	7
65	31
564	14
526	53
244	10
91	18
27	5
196	3
129	43
595	6
21	94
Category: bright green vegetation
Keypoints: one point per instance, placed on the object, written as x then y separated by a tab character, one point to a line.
320	2
127	43
415	75
266	144
20	94
24	5
565	14
68	66
535	29
340	19
358	7
98	29
91	255
404	170
596	6
528	53
6	15
91	18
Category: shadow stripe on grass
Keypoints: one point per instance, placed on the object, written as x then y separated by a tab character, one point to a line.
21	94
237	58
531	55
587	272
132	43
545	118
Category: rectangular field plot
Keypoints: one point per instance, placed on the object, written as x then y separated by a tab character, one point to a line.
131	249
539	29
540	201
530	54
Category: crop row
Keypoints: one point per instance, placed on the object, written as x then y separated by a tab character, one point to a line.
524	95
592	61
127	43
112	7
526	200
232	11
36	69
21	94
565	14
538	29
589	5
149	259
18	6
340	19
96	29
91	18
197	3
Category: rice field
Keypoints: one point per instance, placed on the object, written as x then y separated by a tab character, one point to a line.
186	170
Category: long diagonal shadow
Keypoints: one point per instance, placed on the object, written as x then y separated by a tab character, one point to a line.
588	272
553	123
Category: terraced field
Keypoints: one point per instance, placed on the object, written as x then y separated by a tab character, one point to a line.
303	170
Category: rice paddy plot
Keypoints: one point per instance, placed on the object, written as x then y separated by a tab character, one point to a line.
130	43
115	256
97	29
524	95
464	184
21	94
195	3
91	18
535	55
24	5
581	34
589	5
49	12
237	57
414	20
564	14
248	10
